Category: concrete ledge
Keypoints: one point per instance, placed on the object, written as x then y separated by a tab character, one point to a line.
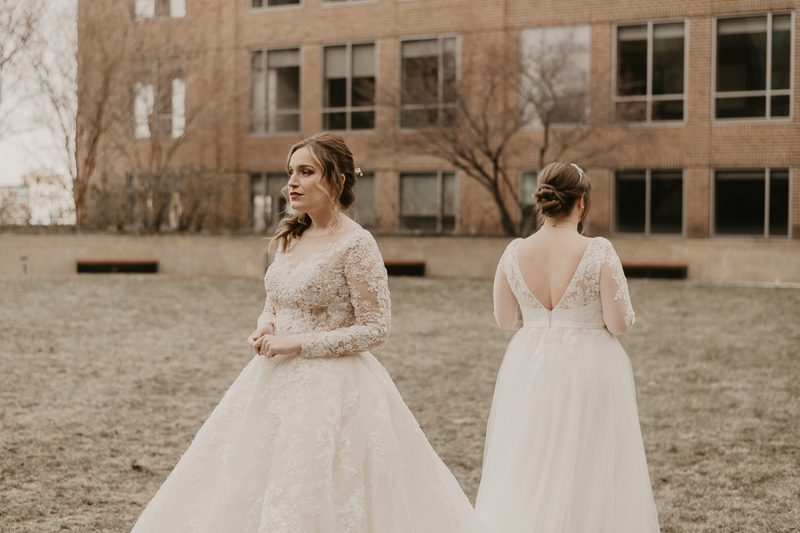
246	255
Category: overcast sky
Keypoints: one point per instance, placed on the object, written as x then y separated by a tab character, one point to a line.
31	151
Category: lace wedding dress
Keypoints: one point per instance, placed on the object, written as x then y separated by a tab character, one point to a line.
321	442
564	451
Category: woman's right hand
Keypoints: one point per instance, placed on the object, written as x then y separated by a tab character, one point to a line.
266	329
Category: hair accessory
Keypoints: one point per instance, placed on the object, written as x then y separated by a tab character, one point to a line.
580	172
358	172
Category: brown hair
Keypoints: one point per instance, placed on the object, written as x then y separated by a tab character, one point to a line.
560	186
333	156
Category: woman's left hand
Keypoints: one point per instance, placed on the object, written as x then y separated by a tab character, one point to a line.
272	345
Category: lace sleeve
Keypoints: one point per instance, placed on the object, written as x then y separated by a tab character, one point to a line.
268	314
618	313
369	296
506	307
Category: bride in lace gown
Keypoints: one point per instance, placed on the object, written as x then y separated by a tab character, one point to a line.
564	451
313	436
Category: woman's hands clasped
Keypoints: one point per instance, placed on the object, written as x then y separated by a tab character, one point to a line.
265	342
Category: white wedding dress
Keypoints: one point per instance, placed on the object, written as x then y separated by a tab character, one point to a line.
564	451
320	442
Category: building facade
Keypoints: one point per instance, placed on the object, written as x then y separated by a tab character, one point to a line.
682	113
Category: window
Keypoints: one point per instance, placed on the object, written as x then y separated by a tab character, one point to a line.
528	184
752	202
267	203
159	100
260	4
650	82
349	91
364	209
427	82
554	75
649	202
149	9
753	67
275	91
428	202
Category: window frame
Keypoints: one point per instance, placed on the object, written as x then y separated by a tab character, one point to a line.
647	233
349	109
712	212
440	106
268	49
768	91
439	202
649	98
156	16
266	8
150	71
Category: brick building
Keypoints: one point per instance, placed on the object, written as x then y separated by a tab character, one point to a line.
690	105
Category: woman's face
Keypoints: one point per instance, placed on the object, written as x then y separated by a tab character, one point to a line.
304	194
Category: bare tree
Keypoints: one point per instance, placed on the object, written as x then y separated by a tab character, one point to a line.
81	87
19	24
500	93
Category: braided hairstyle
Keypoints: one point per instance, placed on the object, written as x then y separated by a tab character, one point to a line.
560	186
333	156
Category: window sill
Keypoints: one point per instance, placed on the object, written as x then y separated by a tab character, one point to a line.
754	120
343	3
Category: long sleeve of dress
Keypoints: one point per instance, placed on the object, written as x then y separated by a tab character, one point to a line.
268	314
506	307
369	295
618	313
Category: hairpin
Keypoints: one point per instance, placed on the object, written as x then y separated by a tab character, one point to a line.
580	172
358	172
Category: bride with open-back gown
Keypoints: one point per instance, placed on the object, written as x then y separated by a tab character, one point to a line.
564	451
313	436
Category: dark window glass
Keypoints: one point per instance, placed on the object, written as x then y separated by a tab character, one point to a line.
780	105
739	202
426	204
668	110
449	70
632	60
742	54
336	92
631	190
363	92
666	201
779	202
668	59
781	51
334	121
449	206
746	106
282	2
427	82
632	111
363	120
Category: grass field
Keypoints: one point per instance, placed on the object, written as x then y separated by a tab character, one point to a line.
105	380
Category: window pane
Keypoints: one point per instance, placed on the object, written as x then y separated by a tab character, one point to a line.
739	202
528	187
742	54
363	92
630	199
178	107
668	58
287	123
632	111
334	121
258	93
779	202
257	3
750	106
420	72
177	8
449	194
668	110
143	102
282	2
335	76
632	60
257	202
779	106
287	87
449	70
364	210
363	120
284	58
364	61
666	201
418	195
781	51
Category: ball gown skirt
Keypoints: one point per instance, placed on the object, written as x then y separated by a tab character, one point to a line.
572	461
310	445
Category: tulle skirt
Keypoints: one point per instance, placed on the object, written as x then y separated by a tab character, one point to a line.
310	446
564	451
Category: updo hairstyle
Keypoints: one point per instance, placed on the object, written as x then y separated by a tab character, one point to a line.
333	156
559	187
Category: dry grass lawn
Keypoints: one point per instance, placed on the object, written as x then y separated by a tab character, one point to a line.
104	380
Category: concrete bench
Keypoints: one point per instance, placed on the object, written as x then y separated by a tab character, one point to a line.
117	266
656	270
404	267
